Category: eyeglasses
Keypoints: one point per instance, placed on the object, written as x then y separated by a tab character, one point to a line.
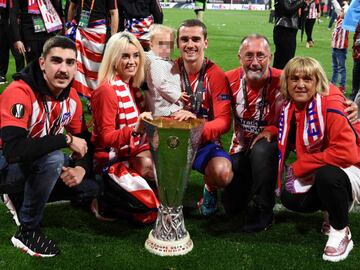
259	57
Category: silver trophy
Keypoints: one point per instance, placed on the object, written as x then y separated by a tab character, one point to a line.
173	147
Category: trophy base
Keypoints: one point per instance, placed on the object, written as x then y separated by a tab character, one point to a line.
168	248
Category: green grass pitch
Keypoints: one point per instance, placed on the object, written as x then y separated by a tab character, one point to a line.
294	242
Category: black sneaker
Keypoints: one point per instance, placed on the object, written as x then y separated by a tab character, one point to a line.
34	243
259	219
2	80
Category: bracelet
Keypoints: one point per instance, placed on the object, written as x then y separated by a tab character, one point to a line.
71	139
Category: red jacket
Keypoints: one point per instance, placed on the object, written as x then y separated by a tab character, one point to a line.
340	148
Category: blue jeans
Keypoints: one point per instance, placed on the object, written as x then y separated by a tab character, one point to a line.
39	179
338	66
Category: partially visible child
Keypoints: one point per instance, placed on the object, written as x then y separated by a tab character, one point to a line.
162	75
339	44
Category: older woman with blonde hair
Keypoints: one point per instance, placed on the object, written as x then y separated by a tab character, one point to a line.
325	175
122	154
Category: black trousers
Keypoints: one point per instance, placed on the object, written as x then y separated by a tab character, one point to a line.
254	179
331	192
5	47
309	26
355	79
285	45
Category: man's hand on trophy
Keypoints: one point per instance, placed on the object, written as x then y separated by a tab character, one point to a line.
139	127
183	115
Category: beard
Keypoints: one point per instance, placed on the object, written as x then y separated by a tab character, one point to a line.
255	75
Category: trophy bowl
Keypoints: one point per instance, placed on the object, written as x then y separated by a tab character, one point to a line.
173	146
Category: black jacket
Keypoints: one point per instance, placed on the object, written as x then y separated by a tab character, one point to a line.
21	22
286	13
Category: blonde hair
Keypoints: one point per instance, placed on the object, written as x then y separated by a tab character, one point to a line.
115	47
310	67
160	29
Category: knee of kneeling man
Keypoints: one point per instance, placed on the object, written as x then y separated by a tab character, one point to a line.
52	161
262	148
225	177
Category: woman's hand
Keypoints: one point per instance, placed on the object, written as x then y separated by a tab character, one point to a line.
139	128
264	134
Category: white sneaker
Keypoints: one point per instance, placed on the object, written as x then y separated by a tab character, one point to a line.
338	246
9	204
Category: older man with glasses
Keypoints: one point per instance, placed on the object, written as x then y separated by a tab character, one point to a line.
255	89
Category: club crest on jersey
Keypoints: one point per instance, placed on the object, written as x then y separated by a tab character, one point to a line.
65	117
18	110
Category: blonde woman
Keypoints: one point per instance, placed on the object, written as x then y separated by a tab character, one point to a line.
325	175
122	155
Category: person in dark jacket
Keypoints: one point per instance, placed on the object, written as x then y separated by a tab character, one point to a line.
136	17
31	25
285	30
6	43
36	108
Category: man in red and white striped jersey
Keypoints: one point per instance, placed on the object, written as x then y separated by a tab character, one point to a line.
256	93
36	108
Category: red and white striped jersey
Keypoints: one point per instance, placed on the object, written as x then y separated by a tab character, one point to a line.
40	115
340	36
254	108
